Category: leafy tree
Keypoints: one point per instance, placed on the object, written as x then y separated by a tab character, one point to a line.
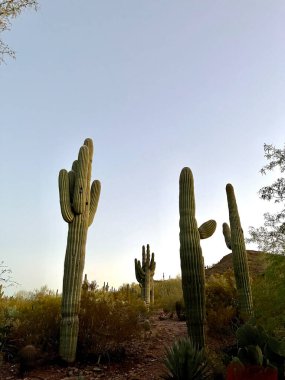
4	274
271	236
268	293
10	9
5	278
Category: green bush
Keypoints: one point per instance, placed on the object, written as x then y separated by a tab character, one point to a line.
268	295
166	293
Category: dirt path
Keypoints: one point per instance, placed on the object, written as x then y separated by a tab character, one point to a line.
143	357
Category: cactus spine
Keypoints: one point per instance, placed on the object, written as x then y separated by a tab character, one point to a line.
191	259
235	240
78	207
144	274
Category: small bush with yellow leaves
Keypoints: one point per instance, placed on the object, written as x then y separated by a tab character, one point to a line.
221	303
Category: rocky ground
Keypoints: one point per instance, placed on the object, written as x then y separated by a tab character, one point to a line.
143	359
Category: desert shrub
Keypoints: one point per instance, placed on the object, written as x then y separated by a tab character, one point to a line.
33	320
180	310
106	322
38	321
128	292
216	363
221	304
7	348
221	300
166	293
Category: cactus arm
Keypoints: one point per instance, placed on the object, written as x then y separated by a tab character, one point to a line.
94	199
75	166
140	276
207	229
227	235
143	257
152	264
139	271
71	177
80	186
89	143
64	196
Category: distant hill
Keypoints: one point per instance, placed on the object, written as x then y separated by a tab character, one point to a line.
257	262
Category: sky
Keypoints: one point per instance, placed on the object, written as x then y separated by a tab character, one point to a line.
157	85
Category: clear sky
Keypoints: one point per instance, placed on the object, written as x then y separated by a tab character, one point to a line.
158	85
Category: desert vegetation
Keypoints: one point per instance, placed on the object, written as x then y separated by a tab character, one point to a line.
109	320
234	311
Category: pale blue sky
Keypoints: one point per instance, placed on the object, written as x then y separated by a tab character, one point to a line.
158	85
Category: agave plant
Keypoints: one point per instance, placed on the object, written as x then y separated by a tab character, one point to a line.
185	362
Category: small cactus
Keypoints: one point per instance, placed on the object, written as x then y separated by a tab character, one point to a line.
105	287
85	285
144	274
28	357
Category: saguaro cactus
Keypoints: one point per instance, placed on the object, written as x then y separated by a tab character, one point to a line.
235	241
191	259
144	274
78	207
85	285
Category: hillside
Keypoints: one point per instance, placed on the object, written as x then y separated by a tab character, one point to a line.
257	263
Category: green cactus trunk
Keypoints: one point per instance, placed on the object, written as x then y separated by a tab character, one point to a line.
191	259
78	208
235	240
152	290
147	286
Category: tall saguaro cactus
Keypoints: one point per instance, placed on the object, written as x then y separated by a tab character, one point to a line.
78	204
235	241
191	259
144	274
